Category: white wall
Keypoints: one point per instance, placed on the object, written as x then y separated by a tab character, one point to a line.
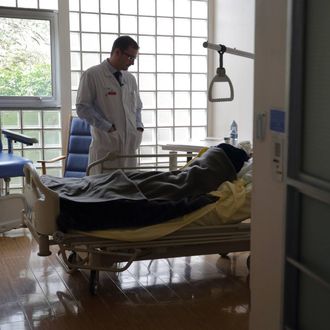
234	27
268	198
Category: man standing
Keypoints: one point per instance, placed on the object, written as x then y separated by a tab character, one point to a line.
108	99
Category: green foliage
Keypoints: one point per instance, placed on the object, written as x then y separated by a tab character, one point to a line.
16	81
25	68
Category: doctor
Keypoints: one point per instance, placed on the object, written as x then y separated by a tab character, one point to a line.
108	99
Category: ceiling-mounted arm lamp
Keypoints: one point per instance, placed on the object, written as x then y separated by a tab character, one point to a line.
221	71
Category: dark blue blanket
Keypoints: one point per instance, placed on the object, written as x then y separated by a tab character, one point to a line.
134	199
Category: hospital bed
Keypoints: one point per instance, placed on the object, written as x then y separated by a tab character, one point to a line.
220	227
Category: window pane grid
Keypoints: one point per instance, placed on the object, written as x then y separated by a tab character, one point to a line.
34	123
171	68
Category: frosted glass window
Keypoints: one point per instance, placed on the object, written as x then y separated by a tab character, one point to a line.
33	155
199	81
199	9
147	63
48	4
147	81
164	81
165	26
198	117
75	78
147	25
109	23
199	64
147	7
171	68
182	81
182	63
128	24
9	3
74	5
165	118
199	28
149	118
108	6
198	133
31	119
165	45
89	60
128	7
36	134
75	61
148	99
90	42
182	133
52	138
164	100
182	8
147	44
182	100
75	41
182	26
52	119
10	120
197	46
74	22
182	117
147	150
199	100
182	45
73	99
107	42
52	153
149	136
164	63
165	135
90	22
27	3
89	6
164	7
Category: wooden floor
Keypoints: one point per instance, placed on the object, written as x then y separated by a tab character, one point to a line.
203	292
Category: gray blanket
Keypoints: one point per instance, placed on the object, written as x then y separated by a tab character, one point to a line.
134	198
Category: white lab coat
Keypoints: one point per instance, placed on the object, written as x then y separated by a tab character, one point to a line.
102	102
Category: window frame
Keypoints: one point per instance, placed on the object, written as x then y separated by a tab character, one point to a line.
37	102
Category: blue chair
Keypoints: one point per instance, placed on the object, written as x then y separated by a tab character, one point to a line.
76	160
12	165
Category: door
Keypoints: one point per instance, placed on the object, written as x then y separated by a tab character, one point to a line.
307	260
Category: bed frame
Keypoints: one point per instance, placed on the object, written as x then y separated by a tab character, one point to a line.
80	251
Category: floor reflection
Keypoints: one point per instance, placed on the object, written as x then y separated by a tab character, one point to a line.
197	292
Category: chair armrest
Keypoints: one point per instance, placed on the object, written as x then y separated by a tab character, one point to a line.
17	137
53	160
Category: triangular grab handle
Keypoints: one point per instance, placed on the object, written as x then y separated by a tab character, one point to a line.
221	77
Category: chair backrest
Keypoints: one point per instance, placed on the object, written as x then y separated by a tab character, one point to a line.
78	148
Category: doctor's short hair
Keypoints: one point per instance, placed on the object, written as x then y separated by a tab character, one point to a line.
123	43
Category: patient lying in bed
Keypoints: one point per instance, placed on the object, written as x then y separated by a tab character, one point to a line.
134	199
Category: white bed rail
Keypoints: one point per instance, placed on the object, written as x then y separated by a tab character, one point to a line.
171	166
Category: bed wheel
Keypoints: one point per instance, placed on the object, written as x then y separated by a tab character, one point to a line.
224	255
93	281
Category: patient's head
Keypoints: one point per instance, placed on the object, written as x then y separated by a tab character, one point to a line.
236	155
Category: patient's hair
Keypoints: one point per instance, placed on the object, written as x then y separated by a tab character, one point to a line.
236	155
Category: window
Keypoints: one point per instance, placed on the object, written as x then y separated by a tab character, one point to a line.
171	68
28	59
